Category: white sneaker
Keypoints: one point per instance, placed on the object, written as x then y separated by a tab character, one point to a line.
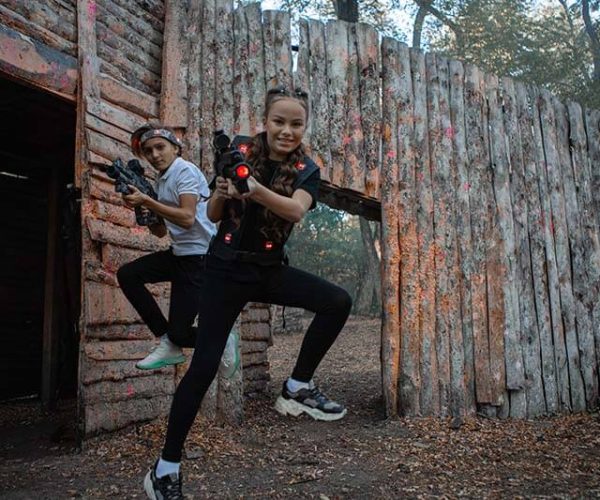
164	354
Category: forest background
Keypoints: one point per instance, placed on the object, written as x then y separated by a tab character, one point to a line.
554	44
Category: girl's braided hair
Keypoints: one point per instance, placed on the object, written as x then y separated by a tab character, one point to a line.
271	226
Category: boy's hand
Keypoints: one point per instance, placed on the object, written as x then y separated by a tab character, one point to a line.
135	198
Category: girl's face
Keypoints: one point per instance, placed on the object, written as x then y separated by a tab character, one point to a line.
285	125
159	152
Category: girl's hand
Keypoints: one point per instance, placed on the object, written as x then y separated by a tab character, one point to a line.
234	193
135	198
222	189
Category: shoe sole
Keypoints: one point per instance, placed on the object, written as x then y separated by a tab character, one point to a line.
148	487
161	364
290	407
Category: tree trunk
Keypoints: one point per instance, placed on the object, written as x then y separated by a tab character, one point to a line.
370	283
346	10
418	27
594	40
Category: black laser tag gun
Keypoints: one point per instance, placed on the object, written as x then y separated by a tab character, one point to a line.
230	162
133	174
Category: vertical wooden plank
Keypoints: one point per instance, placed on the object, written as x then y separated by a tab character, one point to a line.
319	99
474	101
88	86
592	131
223	110
529	338
403	105
429	396
173	93
463	226
278	48
547	153
551	132
390	329
515	372
441	183
370	109
448	253
255	75
240	68
337	64
354	154
50	333
592	127
207	82
194	90
301	76
583	356
527	115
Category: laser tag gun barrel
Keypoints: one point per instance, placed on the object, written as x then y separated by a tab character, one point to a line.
230	162
133	174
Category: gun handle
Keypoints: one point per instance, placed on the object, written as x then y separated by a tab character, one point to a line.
242	186
122	187
145	217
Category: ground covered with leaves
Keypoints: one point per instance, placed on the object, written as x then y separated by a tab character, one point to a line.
362	456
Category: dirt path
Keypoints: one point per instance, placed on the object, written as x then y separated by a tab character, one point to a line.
363	456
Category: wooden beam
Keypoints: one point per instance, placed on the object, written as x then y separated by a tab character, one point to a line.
173	96
36	64
50	333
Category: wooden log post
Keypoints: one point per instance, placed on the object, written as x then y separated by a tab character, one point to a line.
429	394
390	333
529	338
463	226
410	292
513	354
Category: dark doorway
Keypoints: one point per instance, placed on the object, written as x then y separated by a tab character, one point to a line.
40	260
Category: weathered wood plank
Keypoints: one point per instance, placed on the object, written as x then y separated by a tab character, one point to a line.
394	400
477	160
137	237
92	122
173	90
463	226
513	354
354	154
524	282
404	114
224	68
28	28
255	76
115	371
564	399
193	132
151	11
106	146
101	417
551	133
137	22
535	239
586	292
115	116
129	98
120	215
207	83
370	108
447	240
319	122
136	388
119	332
441	184
577	341
277	48
35	63
337	62
429	394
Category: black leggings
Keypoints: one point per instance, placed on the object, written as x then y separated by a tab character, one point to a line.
221	301
185	274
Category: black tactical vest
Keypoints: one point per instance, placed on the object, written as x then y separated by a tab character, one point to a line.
226	244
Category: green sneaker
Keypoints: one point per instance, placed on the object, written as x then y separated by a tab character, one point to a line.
164	354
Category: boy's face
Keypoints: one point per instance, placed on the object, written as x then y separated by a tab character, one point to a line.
285	125
159	152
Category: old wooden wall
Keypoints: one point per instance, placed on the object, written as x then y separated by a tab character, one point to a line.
489	200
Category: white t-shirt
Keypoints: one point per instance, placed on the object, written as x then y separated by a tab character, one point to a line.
183	177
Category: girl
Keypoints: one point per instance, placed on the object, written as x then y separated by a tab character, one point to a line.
181	206
245	263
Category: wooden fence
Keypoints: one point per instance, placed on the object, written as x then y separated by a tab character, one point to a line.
489	195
